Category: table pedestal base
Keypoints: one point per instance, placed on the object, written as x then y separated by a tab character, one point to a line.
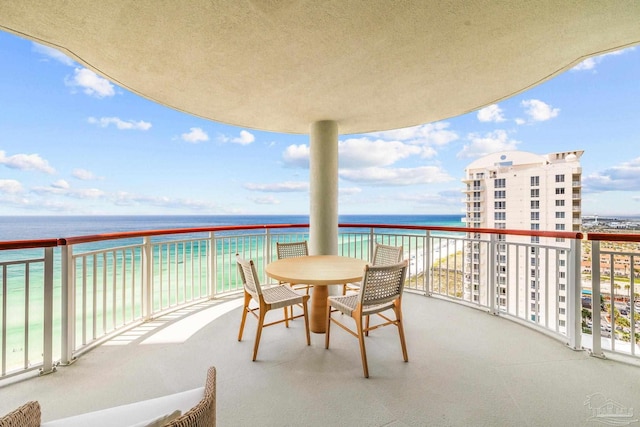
318	321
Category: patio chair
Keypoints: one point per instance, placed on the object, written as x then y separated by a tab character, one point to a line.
293	250
270	298
382	255
381	290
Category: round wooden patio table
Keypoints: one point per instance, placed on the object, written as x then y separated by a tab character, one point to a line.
319	271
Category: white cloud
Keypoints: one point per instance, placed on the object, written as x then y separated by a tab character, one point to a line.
26	162
491	113
539	111
296	156
587	64
428	152
590	63
622	177
62	188
280	187
491	142
396	176
87	193
123	198
362	152
266	200
119	123
62	184
437	133
84	175
359	153
447	197
91	83
245	138
10	186
349	191
195	135
53	54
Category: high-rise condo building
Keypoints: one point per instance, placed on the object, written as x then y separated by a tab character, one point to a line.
522	191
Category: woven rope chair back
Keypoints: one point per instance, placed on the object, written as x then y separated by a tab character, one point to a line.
249	277
382	284
387	255
292	250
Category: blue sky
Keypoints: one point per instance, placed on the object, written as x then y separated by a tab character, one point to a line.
72	143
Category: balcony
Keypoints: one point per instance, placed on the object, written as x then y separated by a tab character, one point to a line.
472	188
151	315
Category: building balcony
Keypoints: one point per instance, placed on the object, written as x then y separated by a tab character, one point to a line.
470	199
494	363
473	188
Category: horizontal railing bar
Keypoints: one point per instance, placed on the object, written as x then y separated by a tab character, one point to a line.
147	233
28	244
106	251
22	261
561	234
614	237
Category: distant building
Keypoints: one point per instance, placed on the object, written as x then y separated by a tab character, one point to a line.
522	191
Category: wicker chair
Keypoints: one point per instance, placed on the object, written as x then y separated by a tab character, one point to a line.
381	290
293	250
269	298
204	413
382	255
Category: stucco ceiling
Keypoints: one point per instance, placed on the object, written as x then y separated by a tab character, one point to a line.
369	65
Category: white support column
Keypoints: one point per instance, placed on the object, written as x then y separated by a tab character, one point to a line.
323	177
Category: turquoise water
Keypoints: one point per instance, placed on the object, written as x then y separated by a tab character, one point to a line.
114	298
41	227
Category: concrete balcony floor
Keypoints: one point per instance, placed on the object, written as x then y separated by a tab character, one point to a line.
466	368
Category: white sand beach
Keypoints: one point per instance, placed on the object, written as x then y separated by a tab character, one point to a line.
441	250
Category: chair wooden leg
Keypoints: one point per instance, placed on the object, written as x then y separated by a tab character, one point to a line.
326	334
367	327
259	330
286	315
403	343
245	308
363	351
306	320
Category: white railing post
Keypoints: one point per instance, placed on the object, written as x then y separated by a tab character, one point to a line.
596	303
492	273
574	314
372	238
212	279
428	286
267	246
147	279
47	353
266	253
68	302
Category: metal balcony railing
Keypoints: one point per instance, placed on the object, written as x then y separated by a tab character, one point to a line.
61	297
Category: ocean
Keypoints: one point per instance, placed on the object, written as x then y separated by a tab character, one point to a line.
45	227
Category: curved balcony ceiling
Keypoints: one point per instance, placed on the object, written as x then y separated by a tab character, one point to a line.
369	65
